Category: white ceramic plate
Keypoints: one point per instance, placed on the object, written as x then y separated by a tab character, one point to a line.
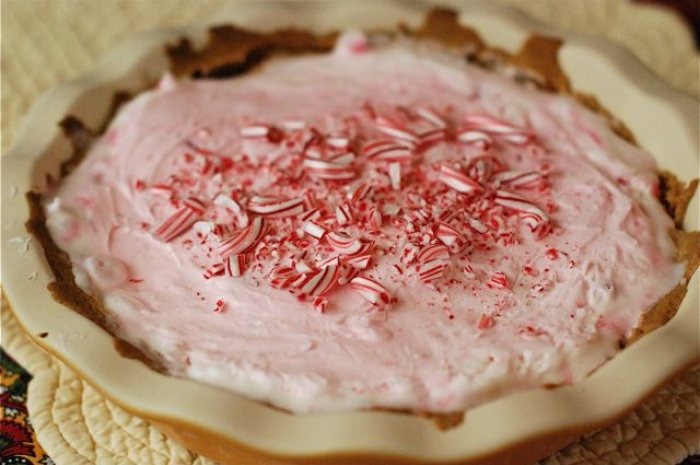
229	427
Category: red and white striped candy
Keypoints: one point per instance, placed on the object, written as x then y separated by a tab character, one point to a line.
276	208
498	280
358	261
347	274
222	230
499	127
282	276
394	129
181	221
293	125
162	189
234	265
469	271
255	131
477	138
321	282
366	248
311	215
328	170
540	226
374	219
520	180
343	214
431	116
343	243
448	235
302	267
342	158
395	175
227	202
431	136
370	290
432	270
388	150
314	229
334	261
215	270
243	240
477	226
528	211
361	192
485	321
338	142
433	252
481	168
458	180
309	200
320	304
203	227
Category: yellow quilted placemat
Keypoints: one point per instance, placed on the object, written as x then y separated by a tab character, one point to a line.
46	42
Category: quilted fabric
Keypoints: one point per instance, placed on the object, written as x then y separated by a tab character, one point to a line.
75	424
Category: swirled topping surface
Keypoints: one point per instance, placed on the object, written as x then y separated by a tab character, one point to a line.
376	227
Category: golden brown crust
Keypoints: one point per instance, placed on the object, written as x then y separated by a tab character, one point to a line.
65	289
688	248
676	195
232	50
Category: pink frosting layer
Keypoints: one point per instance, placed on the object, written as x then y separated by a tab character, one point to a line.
510	238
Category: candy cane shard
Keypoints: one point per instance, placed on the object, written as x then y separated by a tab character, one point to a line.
342	158
448	235
314	229
520	180
388	150
334	261
527	209
433	252
477	226
181	221
431	270
216	270
343	214
473	137
481	168
431	117
282	277
225	201
370	290
234	265
344	244
320	304
361	192
311	215
321	282
498	280
358	261
276	208
395	175
255	131
432	135
243	240
500	128
329	170
394	130
458	181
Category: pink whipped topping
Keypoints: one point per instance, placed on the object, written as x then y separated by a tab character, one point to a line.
378	227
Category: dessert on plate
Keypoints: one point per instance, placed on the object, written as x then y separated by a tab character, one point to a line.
406	220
